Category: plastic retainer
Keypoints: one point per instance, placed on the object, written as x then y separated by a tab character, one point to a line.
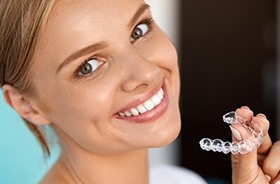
235	147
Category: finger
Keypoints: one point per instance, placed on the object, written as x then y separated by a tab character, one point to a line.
260	122
276	180
243	166
239	132
261	159
245	112
271	164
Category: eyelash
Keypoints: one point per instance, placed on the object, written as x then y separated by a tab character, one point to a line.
149	23
92	73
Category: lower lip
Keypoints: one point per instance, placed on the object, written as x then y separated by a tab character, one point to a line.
151	115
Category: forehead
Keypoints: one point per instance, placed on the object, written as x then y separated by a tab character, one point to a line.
96	10
74	24
89	15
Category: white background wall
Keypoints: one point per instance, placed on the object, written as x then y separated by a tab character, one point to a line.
166	14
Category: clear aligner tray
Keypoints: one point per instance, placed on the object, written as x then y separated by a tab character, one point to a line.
235	147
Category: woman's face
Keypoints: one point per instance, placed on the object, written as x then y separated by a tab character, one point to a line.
107	76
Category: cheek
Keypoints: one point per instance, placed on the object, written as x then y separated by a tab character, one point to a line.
162	52
80	104
166	57
82	117
72	104
163	46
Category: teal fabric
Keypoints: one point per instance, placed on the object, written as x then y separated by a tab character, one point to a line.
21	158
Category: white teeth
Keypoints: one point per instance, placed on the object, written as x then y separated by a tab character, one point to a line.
156	100
161	91
146	106
134	112
122	114
160	95
127	113
141	109
149	105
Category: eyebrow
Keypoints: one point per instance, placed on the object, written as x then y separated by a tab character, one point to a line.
84	51
138	13
100	45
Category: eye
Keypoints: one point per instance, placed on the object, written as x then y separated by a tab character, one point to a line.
89	67
139	31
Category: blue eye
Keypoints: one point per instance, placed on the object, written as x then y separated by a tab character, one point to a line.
89	67
139	31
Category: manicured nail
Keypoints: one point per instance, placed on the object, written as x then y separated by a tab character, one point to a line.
268	177
277	182
262	115
236	133
256	127
245	107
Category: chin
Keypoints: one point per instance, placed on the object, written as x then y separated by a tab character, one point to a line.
169	135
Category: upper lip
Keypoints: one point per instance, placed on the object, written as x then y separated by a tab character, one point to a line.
142	99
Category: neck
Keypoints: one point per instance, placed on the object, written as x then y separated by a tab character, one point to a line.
124	168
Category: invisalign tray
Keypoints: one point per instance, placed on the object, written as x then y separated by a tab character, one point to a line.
242	147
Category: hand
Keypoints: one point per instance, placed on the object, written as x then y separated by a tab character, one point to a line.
262	165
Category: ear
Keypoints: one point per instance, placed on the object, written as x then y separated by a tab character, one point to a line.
23	106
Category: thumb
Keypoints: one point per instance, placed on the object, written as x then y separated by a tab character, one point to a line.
244	166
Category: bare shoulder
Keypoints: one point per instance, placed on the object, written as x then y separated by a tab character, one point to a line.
56	175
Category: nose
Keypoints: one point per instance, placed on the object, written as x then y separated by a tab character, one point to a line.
141	74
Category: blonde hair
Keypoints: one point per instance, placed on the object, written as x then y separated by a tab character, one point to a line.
20	25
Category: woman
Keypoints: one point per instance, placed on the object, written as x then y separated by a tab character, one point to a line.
105	78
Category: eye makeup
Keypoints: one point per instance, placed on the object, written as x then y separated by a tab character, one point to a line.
141	29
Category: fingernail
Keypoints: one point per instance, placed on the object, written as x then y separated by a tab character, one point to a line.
245	107
268	177
262	115
277	182
236	133
256	127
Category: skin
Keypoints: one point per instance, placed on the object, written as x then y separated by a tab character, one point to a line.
98	147
82	109
86	111
262	165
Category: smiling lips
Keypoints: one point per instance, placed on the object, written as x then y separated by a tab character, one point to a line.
145	107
